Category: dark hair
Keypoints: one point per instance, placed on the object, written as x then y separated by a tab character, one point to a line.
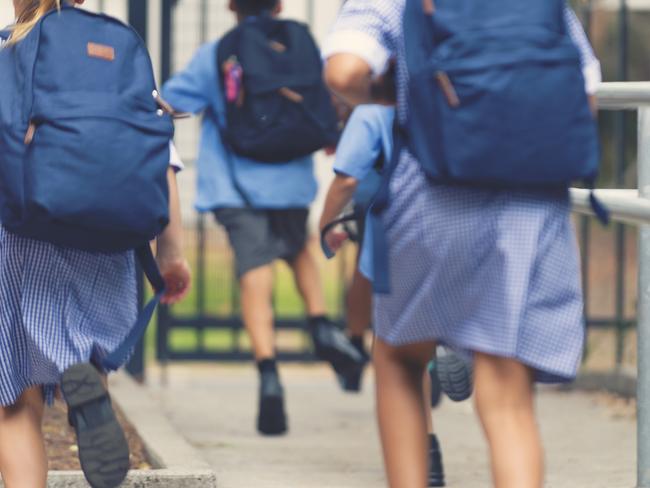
255	7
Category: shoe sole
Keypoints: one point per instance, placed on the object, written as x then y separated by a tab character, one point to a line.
340	361
455	377
272	419
103	450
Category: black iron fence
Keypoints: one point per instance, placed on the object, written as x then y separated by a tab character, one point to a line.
210	328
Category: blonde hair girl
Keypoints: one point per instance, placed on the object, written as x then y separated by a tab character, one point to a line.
61	310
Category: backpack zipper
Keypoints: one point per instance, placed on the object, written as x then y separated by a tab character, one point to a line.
448	89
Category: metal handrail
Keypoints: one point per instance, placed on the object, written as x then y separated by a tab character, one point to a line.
623	95
625	206
633	207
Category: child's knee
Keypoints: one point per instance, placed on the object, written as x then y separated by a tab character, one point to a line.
30	403
413	358
502	384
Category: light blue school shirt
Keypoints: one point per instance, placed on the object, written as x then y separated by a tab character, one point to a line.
368	132
367	135
272	186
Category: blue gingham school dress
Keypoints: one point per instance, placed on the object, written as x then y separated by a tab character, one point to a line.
477	270
58	307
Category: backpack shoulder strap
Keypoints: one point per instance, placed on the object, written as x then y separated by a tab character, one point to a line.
117	358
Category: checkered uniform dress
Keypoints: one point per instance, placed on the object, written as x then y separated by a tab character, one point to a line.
478	270
58	307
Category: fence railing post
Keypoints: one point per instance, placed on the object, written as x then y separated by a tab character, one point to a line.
643	340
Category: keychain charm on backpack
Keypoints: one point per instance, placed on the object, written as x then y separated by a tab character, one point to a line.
233	77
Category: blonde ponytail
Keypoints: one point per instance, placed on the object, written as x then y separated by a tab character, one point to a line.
29	17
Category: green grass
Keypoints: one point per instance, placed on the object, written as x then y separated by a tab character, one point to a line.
220	297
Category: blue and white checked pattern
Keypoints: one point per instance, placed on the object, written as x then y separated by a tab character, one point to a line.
58	307
477	270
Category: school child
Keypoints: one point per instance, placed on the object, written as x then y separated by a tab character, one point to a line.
491	271
263	205
62	309
359	160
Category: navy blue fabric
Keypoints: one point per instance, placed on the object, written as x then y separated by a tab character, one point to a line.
267	126
119	356
94	175
523	117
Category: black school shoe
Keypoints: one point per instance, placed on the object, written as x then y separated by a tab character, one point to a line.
436	470
272	419
333	346
350	379
103	449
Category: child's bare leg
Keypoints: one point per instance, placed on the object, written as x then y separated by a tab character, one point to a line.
307	276
426	388
505	403
257	311
400	402
359	305
23	463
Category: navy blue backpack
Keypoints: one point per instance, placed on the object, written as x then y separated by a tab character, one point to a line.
282	110
497	95
84	146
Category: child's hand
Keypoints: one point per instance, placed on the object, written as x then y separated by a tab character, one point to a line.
336	239
178	278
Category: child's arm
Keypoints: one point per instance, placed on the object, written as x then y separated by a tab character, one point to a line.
339	195
192	89
351	78
173	265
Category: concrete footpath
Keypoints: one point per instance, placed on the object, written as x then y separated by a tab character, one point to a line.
590	439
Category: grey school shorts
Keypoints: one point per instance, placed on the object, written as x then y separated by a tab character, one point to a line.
259	236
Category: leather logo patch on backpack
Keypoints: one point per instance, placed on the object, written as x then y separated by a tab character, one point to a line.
277	46
101	51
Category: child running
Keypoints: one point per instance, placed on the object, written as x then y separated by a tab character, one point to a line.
61	309
494	272
360	158
262	206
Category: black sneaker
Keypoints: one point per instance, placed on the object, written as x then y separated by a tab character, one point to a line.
103	449
333	346
436	471
350	379
272	419
455	374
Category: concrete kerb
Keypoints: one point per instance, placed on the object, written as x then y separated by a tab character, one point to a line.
621	382
177	464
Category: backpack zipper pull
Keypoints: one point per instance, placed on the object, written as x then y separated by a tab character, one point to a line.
448	89
29	135
166	108
429	7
